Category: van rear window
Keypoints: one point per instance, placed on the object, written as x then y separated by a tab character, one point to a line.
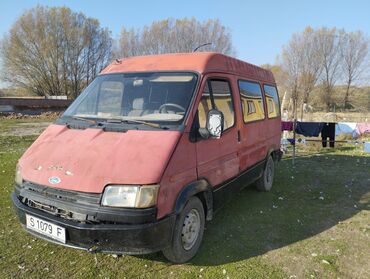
272	101
251	99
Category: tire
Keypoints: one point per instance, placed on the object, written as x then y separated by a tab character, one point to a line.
188	232
264	183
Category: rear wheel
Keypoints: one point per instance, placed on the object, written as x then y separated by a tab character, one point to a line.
264	183
188	232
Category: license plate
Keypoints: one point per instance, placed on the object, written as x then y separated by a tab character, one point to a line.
46	228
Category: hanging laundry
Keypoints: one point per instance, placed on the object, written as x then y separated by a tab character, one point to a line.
286	125
345	128
362	128
367	146
309	129
284	141
328	131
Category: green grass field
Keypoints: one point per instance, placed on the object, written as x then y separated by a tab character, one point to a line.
315	223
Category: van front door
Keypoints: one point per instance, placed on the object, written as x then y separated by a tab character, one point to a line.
217	159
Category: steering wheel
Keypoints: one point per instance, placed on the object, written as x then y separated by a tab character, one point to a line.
162	108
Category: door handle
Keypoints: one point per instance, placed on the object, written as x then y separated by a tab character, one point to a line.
238	135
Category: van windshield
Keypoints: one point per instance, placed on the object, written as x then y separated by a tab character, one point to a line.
149	97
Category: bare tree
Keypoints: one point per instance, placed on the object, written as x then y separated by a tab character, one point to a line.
173	36
54	51
292	59
323	57
280	75
311	67
354	49
301	61
329	42
128	44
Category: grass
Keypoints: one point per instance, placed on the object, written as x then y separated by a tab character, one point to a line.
313	224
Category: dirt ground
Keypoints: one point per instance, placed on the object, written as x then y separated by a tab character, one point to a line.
337	117
27	129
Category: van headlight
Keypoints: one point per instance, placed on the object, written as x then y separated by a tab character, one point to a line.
130	196
18	175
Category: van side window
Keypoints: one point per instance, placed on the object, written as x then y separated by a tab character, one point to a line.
251	99
272	100
221	92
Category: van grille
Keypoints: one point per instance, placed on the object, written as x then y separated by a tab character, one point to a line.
37	196
79	207
58	194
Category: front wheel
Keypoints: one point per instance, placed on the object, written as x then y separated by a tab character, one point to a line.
188	232
264	183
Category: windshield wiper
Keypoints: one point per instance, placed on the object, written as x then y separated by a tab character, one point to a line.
117	120
92	121
114	120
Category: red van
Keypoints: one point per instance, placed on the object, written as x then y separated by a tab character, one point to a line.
148	152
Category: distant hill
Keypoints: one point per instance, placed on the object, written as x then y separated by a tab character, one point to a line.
359	99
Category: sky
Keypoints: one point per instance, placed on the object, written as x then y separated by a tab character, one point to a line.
259	28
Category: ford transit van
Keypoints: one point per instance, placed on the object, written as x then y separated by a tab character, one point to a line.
148	152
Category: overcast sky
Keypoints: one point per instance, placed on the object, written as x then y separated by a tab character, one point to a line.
259	28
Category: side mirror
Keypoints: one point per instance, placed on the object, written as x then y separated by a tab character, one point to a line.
214	125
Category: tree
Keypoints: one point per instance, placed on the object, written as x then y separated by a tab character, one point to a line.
54	51
354	49
173	36
311	65
292	59
323	57
279	74
329	43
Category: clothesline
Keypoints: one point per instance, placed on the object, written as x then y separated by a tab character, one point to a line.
327	130
313	129
301	140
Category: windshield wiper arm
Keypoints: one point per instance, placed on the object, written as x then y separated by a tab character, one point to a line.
92	121
113	120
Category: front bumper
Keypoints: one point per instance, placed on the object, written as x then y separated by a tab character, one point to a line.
113	238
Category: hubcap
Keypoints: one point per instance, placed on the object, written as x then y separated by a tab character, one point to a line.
190	229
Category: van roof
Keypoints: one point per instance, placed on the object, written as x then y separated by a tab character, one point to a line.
201	62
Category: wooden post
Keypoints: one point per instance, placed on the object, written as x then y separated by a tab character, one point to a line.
294	138
294	126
